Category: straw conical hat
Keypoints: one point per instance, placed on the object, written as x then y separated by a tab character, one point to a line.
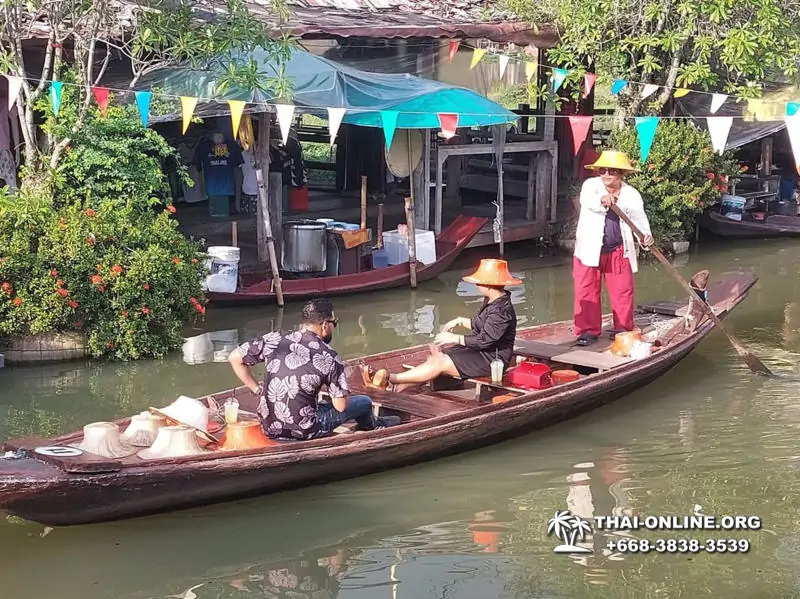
173	442
492	272
102	438
143	429
189	412
613	159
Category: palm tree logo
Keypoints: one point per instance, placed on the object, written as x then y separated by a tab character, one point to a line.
569	529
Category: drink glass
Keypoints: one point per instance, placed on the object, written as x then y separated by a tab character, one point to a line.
497	370
232	410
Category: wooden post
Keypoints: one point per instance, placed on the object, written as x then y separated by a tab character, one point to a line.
263	161
412	242
380	226
263	254
235	234
363	202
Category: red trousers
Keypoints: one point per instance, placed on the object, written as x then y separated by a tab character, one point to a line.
616	270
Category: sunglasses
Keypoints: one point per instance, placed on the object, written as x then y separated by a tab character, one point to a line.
610	171
334	322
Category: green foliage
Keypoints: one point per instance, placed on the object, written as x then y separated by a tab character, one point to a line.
716	44
682	176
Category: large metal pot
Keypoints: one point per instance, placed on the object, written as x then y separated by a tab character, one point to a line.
304	246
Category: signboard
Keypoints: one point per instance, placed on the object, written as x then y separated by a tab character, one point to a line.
732	207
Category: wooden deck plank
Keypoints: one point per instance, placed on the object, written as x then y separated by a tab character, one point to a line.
601	361
538	349
418	404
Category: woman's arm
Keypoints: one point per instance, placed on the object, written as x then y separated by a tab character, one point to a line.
591	199
490	333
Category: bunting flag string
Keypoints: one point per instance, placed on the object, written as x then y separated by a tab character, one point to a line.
285	115
101	97
55	96
793	129
719	127
792	108
503	64
188	104
649	90
717	100
335	116
588	83
452	49
559	75
477	54
530	70
237	108
646	128
389	123
448	122
143	104
14	87
579	127
618	86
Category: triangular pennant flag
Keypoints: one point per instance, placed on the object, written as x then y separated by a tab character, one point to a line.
793	130
335	116
477	54
680	92
719	127
14	87
448	121
55	96
530	70
792	108
285	115
187	103
503	64
588	83
389	122
558	78
101	96
717	101
646	127
618	86
452	48
237	108
580	127
143	102
649	90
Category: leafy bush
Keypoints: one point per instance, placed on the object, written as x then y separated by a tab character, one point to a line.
683	176
95	249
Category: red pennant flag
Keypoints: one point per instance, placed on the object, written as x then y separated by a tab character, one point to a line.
101	95
453	48
588	83
580	127
449	123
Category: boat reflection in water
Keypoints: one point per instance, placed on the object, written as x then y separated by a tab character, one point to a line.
214	346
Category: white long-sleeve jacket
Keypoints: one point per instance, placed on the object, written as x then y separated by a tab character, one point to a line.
592	220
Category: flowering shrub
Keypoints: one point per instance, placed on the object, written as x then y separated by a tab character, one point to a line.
682	176
122	274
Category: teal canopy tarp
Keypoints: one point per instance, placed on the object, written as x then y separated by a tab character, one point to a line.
319	83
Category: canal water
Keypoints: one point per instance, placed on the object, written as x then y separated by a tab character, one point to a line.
708	438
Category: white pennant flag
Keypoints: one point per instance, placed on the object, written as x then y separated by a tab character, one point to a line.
335	116
503	64
649	90
14	87
793	129
719	127
285	114
717	101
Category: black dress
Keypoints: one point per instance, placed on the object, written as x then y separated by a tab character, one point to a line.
494	329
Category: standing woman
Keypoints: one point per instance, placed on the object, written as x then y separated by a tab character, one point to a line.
604	247
492	333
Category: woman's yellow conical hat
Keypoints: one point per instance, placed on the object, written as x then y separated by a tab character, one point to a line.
613	159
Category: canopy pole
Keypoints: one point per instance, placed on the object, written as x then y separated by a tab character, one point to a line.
409	207
263	161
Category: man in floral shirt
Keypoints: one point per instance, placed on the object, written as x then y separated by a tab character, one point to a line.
298	366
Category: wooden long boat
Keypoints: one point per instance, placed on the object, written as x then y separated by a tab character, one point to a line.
775	225
258	288
436	422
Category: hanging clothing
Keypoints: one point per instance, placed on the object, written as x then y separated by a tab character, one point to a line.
249	181
218	161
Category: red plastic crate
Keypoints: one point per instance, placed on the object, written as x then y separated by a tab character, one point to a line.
529	375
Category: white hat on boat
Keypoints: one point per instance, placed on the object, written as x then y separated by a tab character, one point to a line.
189	412
143	429
102	438
173	442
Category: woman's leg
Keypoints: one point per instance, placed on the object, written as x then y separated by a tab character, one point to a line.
618	276
587	306
436	364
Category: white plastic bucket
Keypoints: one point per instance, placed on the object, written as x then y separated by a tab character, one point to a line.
224	269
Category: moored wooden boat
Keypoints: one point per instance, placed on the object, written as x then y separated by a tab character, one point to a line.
255	288
775	225
436	422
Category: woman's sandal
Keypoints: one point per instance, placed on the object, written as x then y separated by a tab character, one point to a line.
376	380
586	339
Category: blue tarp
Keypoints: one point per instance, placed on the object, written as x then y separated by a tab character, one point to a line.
319	83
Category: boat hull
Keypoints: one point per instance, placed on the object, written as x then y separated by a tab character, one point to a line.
775	226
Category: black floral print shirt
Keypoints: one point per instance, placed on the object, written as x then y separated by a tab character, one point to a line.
298	365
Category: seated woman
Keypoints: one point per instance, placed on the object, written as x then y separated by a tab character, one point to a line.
494	329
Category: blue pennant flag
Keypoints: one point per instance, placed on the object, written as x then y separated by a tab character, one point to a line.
792	108
558	78
143	102
389	121
618	86
646	127
55	96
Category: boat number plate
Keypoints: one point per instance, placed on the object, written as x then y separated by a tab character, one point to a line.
59	452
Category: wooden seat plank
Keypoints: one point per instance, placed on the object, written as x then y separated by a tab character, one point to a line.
417	405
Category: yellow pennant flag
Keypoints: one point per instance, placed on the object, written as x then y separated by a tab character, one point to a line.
237	107
477	54
530	70
188	105
680	92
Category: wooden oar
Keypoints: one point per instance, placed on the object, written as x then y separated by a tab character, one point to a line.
752	361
